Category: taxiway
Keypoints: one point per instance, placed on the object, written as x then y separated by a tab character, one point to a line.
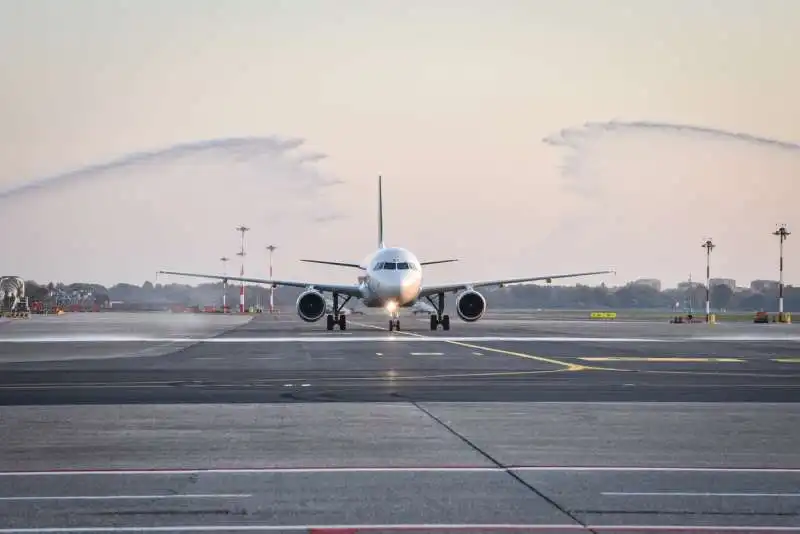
173	423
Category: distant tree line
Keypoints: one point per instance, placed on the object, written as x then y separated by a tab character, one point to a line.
162	296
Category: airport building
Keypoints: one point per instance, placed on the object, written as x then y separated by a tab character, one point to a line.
686	286
764	286
730	282
655	283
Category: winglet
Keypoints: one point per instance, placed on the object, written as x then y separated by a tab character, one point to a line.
380	214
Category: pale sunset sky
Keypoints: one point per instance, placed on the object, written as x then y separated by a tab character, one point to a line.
475	112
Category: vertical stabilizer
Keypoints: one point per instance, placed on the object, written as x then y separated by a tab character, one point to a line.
380	214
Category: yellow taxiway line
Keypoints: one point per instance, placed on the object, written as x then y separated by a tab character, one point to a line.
668	359
566	366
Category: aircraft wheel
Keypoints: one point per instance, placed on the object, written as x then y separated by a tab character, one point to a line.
434	322
330	322
391	325
446	322
342	322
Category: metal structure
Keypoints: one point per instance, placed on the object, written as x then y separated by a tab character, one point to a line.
271	249
709	246
782	234
243	229
224	261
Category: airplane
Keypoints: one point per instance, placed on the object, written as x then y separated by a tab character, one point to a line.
392	279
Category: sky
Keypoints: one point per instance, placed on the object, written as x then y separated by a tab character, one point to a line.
522	137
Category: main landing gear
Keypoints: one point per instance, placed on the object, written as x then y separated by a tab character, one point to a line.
337	318
394	324
439	318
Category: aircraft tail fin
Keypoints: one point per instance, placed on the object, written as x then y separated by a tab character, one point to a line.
380	214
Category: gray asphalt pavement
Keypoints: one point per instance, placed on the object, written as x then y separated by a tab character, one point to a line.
172	358
176	422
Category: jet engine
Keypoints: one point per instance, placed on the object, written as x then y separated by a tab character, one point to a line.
311	306
470	305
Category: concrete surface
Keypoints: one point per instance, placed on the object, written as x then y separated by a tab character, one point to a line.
278	425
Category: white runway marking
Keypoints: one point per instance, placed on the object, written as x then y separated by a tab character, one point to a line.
304	528
694	494
391	339
439	527
127	497
422	469
427	354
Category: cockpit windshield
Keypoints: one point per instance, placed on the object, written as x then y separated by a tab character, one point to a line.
395	266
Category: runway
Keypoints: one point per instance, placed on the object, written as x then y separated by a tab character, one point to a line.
175	422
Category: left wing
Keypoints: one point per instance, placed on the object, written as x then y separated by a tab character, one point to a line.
450	288
344	289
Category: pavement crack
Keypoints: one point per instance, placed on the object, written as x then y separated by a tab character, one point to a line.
500	465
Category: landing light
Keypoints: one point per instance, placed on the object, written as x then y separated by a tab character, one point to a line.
391	306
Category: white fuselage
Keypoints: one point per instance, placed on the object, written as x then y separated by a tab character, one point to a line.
392	275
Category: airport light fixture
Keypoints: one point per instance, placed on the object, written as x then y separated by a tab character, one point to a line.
782	234
271	249
243	229
709	246
224	261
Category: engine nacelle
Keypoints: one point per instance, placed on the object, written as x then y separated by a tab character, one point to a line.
311	306
470	305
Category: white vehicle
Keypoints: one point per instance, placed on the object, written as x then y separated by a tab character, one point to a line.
392	279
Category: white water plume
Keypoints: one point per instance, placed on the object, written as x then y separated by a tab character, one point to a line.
174	206
659	189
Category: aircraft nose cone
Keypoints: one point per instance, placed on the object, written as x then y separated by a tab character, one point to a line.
409	286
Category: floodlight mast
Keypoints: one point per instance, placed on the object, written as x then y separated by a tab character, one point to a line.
709	246
271	249
241	253
224	261
782	234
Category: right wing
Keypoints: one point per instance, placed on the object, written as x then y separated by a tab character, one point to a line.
434	262
344	289
451	288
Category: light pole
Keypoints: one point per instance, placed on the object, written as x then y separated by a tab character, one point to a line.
782	234
709	246
271	249
224	261
241	253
